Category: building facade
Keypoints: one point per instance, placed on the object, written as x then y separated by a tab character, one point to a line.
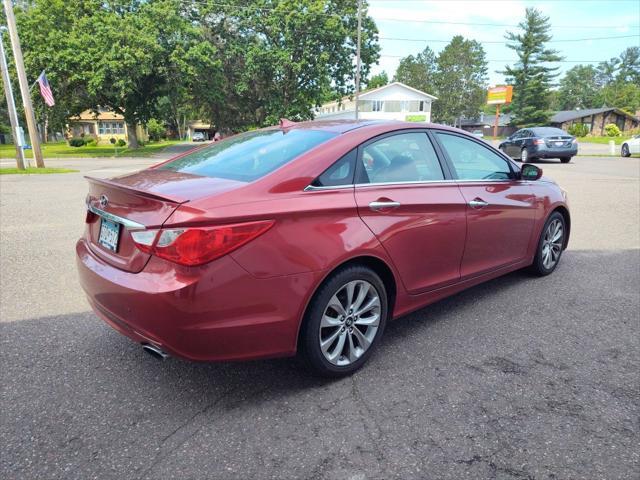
595	119
103	126
395	101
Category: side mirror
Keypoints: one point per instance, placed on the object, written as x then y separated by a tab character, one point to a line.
530	172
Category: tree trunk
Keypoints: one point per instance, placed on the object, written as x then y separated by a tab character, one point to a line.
133	135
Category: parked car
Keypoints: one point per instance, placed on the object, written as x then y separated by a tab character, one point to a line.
308	239
529	144
631	146
198	137
477	133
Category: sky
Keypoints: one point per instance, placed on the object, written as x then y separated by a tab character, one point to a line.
582	22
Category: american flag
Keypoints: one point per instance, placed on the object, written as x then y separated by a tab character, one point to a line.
45	90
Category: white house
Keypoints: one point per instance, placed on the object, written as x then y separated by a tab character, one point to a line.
395	101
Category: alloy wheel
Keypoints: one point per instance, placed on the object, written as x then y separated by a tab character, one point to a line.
552	244
524	156
350	322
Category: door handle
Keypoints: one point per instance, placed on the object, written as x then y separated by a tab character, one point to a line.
478	203
382	205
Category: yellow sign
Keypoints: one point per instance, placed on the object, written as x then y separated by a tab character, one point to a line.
500	95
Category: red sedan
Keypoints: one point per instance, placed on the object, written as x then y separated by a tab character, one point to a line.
307	238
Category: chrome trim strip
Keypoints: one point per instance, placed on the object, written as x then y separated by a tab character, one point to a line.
311	188
128	224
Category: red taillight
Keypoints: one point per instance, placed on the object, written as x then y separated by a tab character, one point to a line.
198	245
538	141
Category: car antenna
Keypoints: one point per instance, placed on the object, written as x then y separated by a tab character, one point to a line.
286	123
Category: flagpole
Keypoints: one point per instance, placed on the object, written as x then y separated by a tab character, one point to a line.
24	84
11	106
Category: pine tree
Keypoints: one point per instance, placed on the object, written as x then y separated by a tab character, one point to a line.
531	76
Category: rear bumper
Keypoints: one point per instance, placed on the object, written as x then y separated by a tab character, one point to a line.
546	152
214	312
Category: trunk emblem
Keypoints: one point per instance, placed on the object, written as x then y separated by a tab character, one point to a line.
103	201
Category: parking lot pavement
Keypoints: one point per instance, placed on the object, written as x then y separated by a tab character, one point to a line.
517	378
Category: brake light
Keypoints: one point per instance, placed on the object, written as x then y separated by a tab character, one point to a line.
198	245
538	141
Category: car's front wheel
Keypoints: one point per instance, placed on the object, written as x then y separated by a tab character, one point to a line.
524	155
344	322
625	150
565	159
550	245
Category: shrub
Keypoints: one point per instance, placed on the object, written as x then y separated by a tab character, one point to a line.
612	130
155	130
112	141
121	142
92	142
578	130
141	143
76	142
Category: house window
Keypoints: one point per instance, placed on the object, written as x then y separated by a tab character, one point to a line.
109	128
377	105
391	106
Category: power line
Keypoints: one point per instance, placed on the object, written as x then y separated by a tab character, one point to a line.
514	60
505	42
392	19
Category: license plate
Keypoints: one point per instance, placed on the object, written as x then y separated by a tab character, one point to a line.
559	144
109	234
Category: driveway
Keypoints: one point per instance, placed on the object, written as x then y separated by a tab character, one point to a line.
519	378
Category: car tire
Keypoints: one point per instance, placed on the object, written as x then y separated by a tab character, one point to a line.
549	249
565	159
625	150
524	156
333	339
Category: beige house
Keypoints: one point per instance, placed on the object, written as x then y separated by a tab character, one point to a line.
102	126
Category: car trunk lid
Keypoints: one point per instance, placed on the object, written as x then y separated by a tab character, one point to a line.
144	200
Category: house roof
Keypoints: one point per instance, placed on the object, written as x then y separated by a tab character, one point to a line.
90	115
364	93
400	84
567	115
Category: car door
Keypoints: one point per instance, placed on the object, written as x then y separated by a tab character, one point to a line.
511	149
413	207
500	207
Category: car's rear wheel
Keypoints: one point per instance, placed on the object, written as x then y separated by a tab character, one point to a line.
625	150
524	155
344	322
565	159
550	245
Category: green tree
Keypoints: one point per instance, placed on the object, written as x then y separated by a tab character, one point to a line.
629	71
531	76
460	80
625	96
418	72
379	80
578	88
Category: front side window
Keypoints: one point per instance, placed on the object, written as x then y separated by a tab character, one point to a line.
473	161
406	157
249	156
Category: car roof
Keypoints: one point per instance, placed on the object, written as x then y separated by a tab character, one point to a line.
344	126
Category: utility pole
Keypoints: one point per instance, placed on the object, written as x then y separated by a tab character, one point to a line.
11	106
357	56
24	84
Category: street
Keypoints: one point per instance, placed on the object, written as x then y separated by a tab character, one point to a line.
518	378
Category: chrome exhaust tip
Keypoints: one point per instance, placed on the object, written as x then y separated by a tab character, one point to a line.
154	351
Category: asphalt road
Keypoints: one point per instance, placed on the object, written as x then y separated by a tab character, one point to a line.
519	378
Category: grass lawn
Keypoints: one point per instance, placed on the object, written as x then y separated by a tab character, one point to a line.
602	140
62	150
30	170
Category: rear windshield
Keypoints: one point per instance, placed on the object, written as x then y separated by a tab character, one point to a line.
544	131
249	156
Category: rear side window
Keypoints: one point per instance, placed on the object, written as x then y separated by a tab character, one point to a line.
340	173
249	156
405	157
473	161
